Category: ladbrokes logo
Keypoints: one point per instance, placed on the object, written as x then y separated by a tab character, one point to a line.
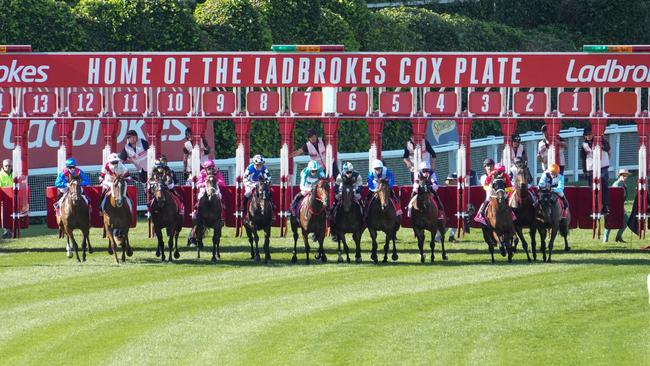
610	72
16	73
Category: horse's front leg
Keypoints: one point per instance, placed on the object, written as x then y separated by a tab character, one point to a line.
386	247
304	238
441	229
256	237
87	233
321	249
216	240
357	243
267	239
419	235
68	247
432	243
551	242
294	230
249	235
533	240
339	240
542	238
160	249
345	247
373	252
394	238
70	234
520	233
487	236
170	243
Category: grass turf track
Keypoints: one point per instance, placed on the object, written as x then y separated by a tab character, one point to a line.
589	307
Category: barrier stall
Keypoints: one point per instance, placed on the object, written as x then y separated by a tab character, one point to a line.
331	85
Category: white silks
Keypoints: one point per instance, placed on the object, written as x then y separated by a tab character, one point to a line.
239	160
550	155
60	157
597	156
105	152
195	160
372	156
18	161
329	160
151	159
507	157
284	160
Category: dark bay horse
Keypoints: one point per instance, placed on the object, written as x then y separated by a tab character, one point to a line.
521	204
500	229
259	216
165	214
209	217
312	218
117	219
424	217
382	216
75	214
349	219
549	217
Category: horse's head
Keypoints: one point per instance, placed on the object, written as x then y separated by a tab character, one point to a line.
75	190
383	192
499	188
521	178
157	188
261	194
545	203
347	193
321	190
118	191
423	195
210	187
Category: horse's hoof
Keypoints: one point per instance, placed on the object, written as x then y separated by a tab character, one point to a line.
347	260
257	258
340	259
110	251
252	255
567	249
317	256
433	258
323	258
129	252
307	262
162	258
395	257
373	257
90	250
294	259
509	257
177	255
158	253
357	260
69	255
422	259
214	259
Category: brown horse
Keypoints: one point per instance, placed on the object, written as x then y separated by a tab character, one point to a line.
500	228
424	217
75	214
348	219
259	216
209	217
117	219
521	204
312	218
382	216
164	215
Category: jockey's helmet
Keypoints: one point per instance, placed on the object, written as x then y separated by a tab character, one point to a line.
488	162
377	164
348	167
516	138
258	160
424	167
554	169
500	168
208	164
71	163
113	158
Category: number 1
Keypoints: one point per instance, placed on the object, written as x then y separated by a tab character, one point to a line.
575	103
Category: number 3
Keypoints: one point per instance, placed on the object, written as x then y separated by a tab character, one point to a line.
486	103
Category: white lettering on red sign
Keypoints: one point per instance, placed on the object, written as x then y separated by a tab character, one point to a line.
16	73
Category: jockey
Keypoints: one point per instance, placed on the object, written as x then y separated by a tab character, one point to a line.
499	172
553	180
161	170
208	169
378	172
308	177
350	174
112	169
65	176
427	177
255	172
520	163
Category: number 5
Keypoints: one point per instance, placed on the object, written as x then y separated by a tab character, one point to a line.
395	106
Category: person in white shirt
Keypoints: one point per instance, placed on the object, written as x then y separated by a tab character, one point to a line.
542	151
587	154
135	152
187	152
315	148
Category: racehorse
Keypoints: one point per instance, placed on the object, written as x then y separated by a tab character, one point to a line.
165	214
312	218
424	217
75	214
259	216
382	216
500	228
549	217
348	219
209	216
521	204
117	219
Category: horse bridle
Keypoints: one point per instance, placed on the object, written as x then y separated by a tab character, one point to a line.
121	190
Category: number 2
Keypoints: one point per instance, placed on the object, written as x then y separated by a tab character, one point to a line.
529	106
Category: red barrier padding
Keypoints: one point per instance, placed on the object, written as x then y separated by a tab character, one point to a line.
7	209
615	219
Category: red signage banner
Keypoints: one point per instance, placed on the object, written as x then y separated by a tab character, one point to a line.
265	69
88	139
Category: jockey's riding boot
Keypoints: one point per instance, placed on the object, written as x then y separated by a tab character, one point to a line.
245	207
565	202
480	218
441	207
